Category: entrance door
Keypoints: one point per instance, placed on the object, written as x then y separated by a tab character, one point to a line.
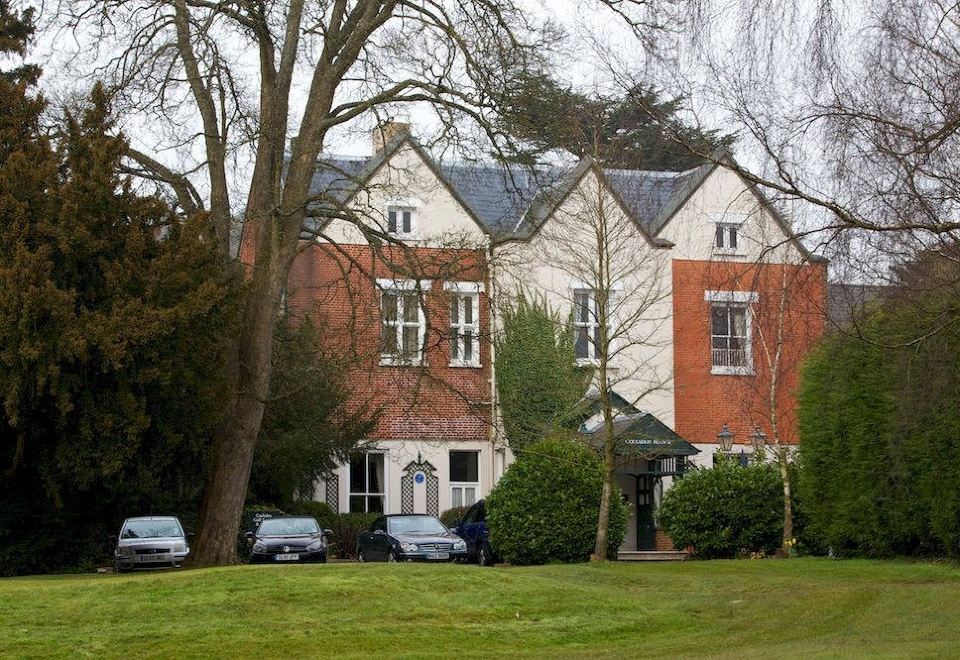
646	529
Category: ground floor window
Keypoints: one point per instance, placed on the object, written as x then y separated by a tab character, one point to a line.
464	477
366	483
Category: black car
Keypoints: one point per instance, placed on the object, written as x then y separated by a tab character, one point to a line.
409	537
289	539
472	528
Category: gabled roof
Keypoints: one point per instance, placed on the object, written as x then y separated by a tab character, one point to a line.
512	202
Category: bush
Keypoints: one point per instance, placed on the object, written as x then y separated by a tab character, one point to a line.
323	512
346	528
545	507
725	511
451	517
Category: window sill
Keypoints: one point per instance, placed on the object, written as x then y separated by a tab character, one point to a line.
732	371
717	252
587	362
460	364
389	361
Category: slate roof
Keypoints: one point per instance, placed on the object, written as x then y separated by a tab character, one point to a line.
511	202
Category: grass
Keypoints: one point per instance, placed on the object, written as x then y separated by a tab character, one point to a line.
807	607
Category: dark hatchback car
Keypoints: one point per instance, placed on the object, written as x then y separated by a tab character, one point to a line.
472	528
409	537
288	539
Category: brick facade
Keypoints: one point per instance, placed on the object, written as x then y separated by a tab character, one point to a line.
336	287
704	402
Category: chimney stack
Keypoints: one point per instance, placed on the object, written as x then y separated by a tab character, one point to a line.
383	134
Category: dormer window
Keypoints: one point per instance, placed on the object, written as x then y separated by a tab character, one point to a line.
401	220
726	237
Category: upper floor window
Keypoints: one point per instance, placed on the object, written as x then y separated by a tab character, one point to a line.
402	321
464	323
401	219
586	323
726	237
731	345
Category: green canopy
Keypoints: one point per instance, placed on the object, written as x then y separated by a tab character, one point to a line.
641	434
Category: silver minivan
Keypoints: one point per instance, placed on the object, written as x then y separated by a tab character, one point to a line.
150	542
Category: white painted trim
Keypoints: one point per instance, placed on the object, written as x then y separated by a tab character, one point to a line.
732	371
411	203
731	296
464	287
388	284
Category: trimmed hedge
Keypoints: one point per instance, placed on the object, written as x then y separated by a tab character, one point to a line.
545	507
880	432
725	511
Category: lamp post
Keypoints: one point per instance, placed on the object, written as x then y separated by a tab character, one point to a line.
759	439
725	438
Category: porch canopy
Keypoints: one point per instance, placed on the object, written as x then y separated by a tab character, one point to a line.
644	444
640	435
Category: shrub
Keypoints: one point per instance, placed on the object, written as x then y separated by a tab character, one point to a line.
323	512
451	517
546	505
725	511
346	528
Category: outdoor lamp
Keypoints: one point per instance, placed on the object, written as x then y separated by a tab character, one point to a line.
759	439
725	438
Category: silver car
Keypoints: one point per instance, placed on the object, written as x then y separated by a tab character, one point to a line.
150	542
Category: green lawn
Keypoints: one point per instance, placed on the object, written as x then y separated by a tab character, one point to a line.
745	608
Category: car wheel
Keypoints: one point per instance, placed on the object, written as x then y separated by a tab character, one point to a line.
360	557
119	568
323	559
485	555
391	556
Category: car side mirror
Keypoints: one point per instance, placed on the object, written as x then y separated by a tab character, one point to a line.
379	531
249	537
328	532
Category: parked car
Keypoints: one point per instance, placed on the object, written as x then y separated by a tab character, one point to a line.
150	542
289	539
472	528
409	537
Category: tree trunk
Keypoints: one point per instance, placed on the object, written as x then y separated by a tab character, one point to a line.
236	439
609	465
787	502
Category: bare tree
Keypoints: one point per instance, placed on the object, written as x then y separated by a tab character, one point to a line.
216	82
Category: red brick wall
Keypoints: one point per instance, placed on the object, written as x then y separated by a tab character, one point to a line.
336	287
705	402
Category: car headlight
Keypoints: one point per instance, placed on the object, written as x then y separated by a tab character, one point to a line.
460	545
126	550
179	547
259	547
315	545
408	547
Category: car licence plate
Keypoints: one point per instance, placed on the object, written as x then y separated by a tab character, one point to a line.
290	556
438	555
153	558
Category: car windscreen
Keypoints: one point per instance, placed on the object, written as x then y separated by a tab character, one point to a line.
151	529
415	525
288	527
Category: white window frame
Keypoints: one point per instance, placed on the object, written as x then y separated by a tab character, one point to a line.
366	494
578	287
398	288
400	206
738	299
463	294
724	224
461	486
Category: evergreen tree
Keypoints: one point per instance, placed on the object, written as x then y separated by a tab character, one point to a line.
637	130
114	319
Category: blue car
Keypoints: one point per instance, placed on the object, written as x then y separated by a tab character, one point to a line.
472	528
